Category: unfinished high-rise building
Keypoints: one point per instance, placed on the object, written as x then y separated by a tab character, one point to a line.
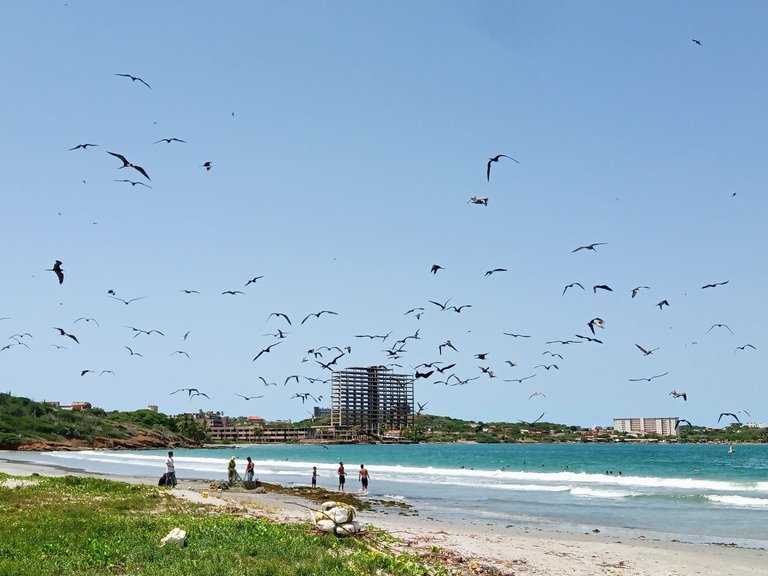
373	399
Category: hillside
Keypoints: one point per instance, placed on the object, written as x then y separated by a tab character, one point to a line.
29	425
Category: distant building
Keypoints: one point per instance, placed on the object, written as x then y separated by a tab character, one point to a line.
321	412
152	408
372	399
666	426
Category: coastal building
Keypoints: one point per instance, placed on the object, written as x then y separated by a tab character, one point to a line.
371	399
664	426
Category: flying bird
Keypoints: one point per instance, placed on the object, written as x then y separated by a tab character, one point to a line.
537	394
682	420
644	351
169	140
647	379
421	407
134	78
280	314
441	306
714	285
743	348
267	383
516	335
676	394
88	320
58	270
636	289
317	314
481	355
489	272
531	424
602	287
423	374
662	304
134	183
434	269
253	280
599	322
126	302
729	414
495	159
82	146
63	333
590	246
548	366
207	166
520	380
478	200
106	372
571	285
720	326
249	397
179	352
232	292
698	42
458	309
127	164
84	372
553	354
446	344
189	291
132	352
265	350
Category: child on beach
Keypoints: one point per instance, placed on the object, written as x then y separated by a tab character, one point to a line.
314	477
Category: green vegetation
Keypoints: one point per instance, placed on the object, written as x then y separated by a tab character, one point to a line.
23	422
73	526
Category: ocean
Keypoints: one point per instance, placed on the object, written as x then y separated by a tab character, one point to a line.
688	492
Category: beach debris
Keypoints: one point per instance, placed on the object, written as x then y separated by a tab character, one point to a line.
336	517
176	536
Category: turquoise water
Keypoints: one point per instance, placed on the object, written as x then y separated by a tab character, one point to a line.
689	492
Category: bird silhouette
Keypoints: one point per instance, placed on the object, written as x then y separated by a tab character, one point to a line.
648	379
520	380
662	304
88	320
446	344
719	326
134	79
189	291
644	351
253	280
547	366
537	394
743	348
458	309
280	315
232	292
126	302
179	352
317	314
571	285
676	394
207	166
602	287
134	183
63	333
553	354
58	270
599	322
589	246
423	374
492	160
682	420
265	350
714	285
434	269
532	424
106	372
82	146
636	289
489	272
249	397
729	414
169	140
84	372
698	42
132	352
421	407
478	200
127	164
516	335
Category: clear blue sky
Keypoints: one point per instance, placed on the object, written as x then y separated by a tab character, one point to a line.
346	139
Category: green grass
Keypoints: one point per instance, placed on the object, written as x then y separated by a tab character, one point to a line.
74	526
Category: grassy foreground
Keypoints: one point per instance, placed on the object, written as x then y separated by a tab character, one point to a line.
74	526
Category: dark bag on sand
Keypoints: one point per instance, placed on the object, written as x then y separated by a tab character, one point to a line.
162	480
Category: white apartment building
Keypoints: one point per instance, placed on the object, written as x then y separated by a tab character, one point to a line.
666	426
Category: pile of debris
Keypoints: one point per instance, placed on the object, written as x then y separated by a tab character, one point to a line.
338	518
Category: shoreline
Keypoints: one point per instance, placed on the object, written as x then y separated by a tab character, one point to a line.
509	549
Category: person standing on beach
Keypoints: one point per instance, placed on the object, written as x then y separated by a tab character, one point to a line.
170	471
231	469
363	476
249	470
314	477
342	475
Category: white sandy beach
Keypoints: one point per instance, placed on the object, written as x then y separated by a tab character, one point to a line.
512	550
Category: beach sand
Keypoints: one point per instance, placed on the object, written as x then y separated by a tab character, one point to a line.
479	548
